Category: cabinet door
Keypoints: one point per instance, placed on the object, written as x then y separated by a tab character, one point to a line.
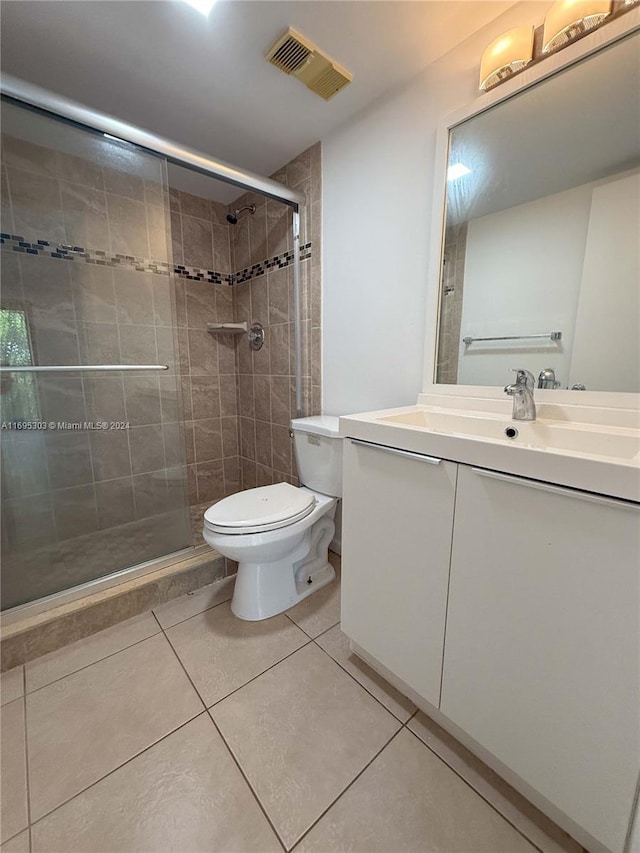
541	656
396	545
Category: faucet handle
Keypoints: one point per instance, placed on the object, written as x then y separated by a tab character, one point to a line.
524	378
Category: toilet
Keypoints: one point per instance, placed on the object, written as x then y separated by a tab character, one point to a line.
280	534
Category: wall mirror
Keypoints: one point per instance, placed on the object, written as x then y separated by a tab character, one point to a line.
541	260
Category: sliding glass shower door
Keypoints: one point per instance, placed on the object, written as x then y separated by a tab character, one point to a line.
92	443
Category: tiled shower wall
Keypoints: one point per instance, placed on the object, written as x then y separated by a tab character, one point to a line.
80	503
266	386
207	363
451	309
125	315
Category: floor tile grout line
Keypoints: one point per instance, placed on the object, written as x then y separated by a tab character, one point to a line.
26	764
373	696
182	666
344	791
13	837
120	766
475	791
326	630
98	660
210	715
293	621
253	678
193	615
246	779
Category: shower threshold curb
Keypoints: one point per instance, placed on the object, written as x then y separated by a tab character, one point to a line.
26	638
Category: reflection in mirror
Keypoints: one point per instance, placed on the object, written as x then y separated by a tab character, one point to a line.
543	218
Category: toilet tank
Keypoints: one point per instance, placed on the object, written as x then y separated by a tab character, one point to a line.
318	448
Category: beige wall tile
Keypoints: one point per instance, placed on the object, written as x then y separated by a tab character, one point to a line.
197	242
146	445
36	206
205	391
193	205
114	502
127	226
210	480
85	216
75	511
208	439
203	352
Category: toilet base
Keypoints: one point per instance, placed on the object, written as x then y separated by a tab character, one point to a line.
264	589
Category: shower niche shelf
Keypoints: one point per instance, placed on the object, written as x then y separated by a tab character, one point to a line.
227	328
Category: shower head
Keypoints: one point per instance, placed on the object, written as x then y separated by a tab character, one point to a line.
232	218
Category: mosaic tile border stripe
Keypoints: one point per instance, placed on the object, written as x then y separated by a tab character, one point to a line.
66	252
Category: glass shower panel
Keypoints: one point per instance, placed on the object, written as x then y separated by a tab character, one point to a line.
93	460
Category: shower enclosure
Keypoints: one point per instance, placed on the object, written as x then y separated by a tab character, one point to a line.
94	450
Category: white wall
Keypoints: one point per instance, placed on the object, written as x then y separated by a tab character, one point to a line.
606	350
522	274
377	202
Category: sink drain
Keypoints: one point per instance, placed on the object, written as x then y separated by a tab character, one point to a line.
511	432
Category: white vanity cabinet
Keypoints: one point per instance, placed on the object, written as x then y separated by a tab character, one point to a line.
541	652
396	545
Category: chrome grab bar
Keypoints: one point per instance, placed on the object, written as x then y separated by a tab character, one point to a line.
553	336
70	368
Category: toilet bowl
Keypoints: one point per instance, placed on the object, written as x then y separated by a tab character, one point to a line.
280	534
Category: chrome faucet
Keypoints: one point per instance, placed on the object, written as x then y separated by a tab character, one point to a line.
547	378
524	407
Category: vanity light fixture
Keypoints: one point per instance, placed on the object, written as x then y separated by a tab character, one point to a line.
507	54
457	170
203	6
567	19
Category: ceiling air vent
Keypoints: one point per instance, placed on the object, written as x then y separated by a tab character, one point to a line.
294	54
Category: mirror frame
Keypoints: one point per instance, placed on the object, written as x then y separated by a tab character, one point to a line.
608	34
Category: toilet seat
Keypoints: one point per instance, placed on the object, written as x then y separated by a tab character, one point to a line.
259	510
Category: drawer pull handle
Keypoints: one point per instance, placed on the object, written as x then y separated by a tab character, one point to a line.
431	460
558	490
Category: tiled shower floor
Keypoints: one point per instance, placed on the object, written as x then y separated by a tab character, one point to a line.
185	729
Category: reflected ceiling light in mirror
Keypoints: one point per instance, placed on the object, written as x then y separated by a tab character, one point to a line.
507	54
568	19
457	170
203	6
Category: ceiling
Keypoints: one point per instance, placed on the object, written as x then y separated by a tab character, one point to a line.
204	82
550	138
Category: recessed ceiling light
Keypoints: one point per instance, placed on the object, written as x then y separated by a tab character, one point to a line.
457	170
203	6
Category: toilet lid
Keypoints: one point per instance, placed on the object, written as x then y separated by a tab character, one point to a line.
259	510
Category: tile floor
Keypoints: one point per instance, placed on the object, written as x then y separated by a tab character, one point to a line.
185	729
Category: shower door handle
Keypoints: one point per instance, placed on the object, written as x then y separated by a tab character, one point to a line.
70	368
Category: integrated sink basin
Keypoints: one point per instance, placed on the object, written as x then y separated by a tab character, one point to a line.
590	448
610	442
